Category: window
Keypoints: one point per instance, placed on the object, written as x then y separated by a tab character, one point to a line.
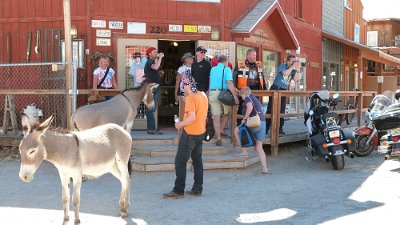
372	38
299	9
347	4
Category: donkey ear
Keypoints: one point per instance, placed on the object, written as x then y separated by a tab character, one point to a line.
46	124
26	125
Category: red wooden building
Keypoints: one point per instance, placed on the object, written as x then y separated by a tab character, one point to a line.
32	30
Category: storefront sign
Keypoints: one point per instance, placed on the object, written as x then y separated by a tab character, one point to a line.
314	65
175	28
116	25
259	40
261	33
103	41
204	29
190	28
103	33
380	79
99	24
136	28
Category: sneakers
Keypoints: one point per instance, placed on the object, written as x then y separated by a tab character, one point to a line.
154	132
194	192
172	195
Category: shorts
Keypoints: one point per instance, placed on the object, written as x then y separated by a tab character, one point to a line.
217	108
259	132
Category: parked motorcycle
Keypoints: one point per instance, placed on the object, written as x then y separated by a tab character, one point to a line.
326	139
367	136
389	120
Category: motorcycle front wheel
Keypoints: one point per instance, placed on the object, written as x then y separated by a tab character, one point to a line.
362	149
337	162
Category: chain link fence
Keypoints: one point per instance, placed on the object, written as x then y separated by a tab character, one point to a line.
41	84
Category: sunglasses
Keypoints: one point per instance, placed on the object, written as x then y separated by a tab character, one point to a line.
186	84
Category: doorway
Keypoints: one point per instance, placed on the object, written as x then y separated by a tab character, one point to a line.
173	51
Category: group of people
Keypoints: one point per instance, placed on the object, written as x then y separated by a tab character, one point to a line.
198	85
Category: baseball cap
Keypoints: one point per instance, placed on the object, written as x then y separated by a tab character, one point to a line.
187	55
149	50
201	49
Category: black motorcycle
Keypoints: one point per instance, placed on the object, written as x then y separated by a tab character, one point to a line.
326	139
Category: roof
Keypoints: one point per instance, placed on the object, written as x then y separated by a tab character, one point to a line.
250	21
268	10
369	53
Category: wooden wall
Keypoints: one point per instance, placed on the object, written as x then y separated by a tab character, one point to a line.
352	16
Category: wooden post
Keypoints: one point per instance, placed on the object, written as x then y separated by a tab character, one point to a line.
68	57
275	116
9	108
360	103
233	124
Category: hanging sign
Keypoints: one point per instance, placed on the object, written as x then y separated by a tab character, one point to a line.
103	33
136	28
103	41
175	28
116	25
204	29
99	24
190	28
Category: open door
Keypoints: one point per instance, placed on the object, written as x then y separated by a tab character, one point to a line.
127	49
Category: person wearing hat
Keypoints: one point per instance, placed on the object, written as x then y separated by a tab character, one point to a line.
201	69
187	60
151	73
191	141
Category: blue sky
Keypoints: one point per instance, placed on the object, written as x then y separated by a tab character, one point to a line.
374	9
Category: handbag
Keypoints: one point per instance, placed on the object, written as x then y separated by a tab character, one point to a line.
253	121
246	136
225	96
210	131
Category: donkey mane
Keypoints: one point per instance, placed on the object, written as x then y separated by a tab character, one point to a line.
146	81
57	130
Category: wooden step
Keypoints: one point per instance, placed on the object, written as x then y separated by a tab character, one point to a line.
227	161
162	151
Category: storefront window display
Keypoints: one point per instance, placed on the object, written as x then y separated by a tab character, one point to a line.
270	61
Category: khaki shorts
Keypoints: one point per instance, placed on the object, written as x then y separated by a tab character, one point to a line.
217	108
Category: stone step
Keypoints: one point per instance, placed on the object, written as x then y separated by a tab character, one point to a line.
169	151
227	161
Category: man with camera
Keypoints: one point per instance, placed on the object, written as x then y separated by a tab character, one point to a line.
290	70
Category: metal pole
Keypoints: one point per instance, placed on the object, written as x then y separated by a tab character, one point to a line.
68	56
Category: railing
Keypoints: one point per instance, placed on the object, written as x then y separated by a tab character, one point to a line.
276	115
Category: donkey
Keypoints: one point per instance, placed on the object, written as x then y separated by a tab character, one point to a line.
121	109
92	153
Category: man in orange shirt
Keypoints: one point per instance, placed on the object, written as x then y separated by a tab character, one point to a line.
191	140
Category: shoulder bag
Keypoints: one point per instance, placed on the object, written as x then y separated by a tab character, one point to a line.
253	121
104	78
225	96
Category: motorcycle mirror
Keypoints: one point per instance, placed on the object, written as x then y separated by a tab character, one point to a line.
336	96
311	112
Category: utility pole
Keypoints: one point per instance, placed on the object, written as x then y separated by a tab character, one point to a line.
68	57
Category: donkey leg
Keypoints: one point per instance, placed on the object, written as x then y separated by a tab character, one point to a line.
76	197
120	171
65	196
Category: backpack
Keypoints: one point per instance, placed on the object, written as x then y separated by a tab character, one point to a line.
246	136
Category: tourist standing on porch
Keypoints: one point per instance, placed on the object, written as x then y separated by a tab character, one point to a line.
104	76
219	72
286	72
249	73
201	70
191	140
151	73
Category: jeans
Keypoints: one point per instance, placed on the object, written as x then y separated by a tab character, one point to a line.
151	122
190	146
269	110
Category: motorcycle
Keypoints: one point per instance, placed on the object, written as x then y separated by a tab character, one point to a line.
368	136
389	120
326	139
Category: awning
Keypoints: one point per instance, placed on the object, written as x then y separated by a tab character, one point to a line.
366	51
267	11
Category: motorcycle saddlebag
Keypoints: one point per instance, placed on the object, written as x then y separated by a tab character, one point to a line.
390	119
348	134
317	140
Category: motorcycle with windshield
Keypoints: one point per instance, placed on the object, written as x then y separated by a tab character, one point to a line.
326	139
368	136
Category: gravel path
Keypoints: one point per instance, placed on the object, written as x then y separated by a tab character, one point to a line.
296	192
